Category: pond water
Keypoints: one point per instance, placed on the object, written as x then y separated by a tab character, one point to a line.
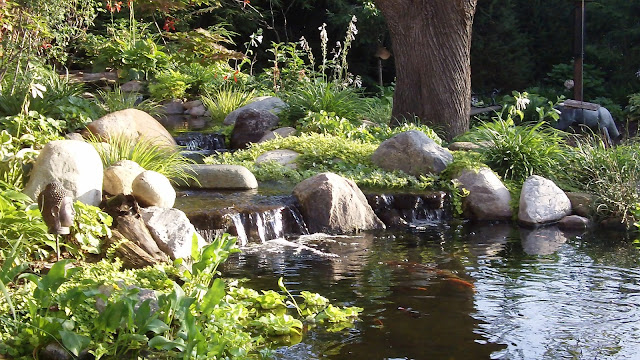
581	302
461	292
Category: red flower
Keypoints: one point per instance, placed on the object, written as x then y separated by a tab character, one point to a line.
245	3
169	24
226	77
235	78
118	6
47	46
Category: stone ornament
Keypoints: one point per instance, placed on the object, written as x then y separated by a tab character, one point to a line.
56	205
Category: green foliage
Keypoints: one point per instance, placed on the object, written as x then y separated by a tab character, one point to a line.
21	227
527	107
517	152
592	78
115	99
611	174
331	124
203	45
32	129
14	154
200	317
91	225
316	96
170	84
225	100
633	108
147	153
130	48
322	153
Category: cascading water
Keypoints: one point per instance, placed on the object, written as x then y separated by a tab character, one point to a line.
251	217
196	141
257	218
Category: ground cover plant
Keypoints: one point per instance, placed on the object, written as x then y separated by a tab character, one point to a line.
193	314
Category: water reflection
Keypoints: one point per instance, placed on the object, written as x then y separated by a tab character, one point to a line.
469	292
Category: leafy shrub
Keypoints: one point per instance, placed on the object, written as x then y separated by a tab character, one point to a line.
331	124
130	49
198	315
147	153
225	100
527	107
170	84
611	174
325	96
22	228
516	152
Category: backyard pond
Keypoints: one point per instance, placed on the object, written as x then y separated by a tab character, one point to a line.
463	291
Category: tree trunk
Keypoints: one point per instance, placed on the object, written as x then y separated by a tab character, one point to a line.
431	42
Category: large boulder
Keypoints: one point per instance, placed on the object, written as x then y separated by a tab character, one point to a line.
542	201
151	188
75	164
333	204
118	178
267	103
251	125
220	177
583	204
172	231
412	152
130	123
488	198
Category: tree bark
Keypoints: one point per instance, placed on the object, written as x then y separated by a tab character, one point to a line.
431	43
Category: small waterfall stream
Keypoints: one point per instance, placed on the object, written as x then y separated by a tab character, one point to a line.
256	217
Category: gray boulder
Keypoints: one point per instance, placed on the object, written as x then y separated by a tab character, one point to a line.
151	188
464	146
488	198
76	164
130	123
250	126
582	203
284	157
118	178
412	152
333	204
271	104
574	223
173	107
172	231
221	177
542	201
281	132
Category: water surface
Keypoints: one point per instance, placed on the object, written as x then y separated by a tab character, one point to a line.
462	292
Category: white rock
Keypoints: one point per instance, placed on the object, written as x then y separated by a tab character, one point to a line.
151	188
76	164
542	201
221	177
488	198
172	231
118	178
